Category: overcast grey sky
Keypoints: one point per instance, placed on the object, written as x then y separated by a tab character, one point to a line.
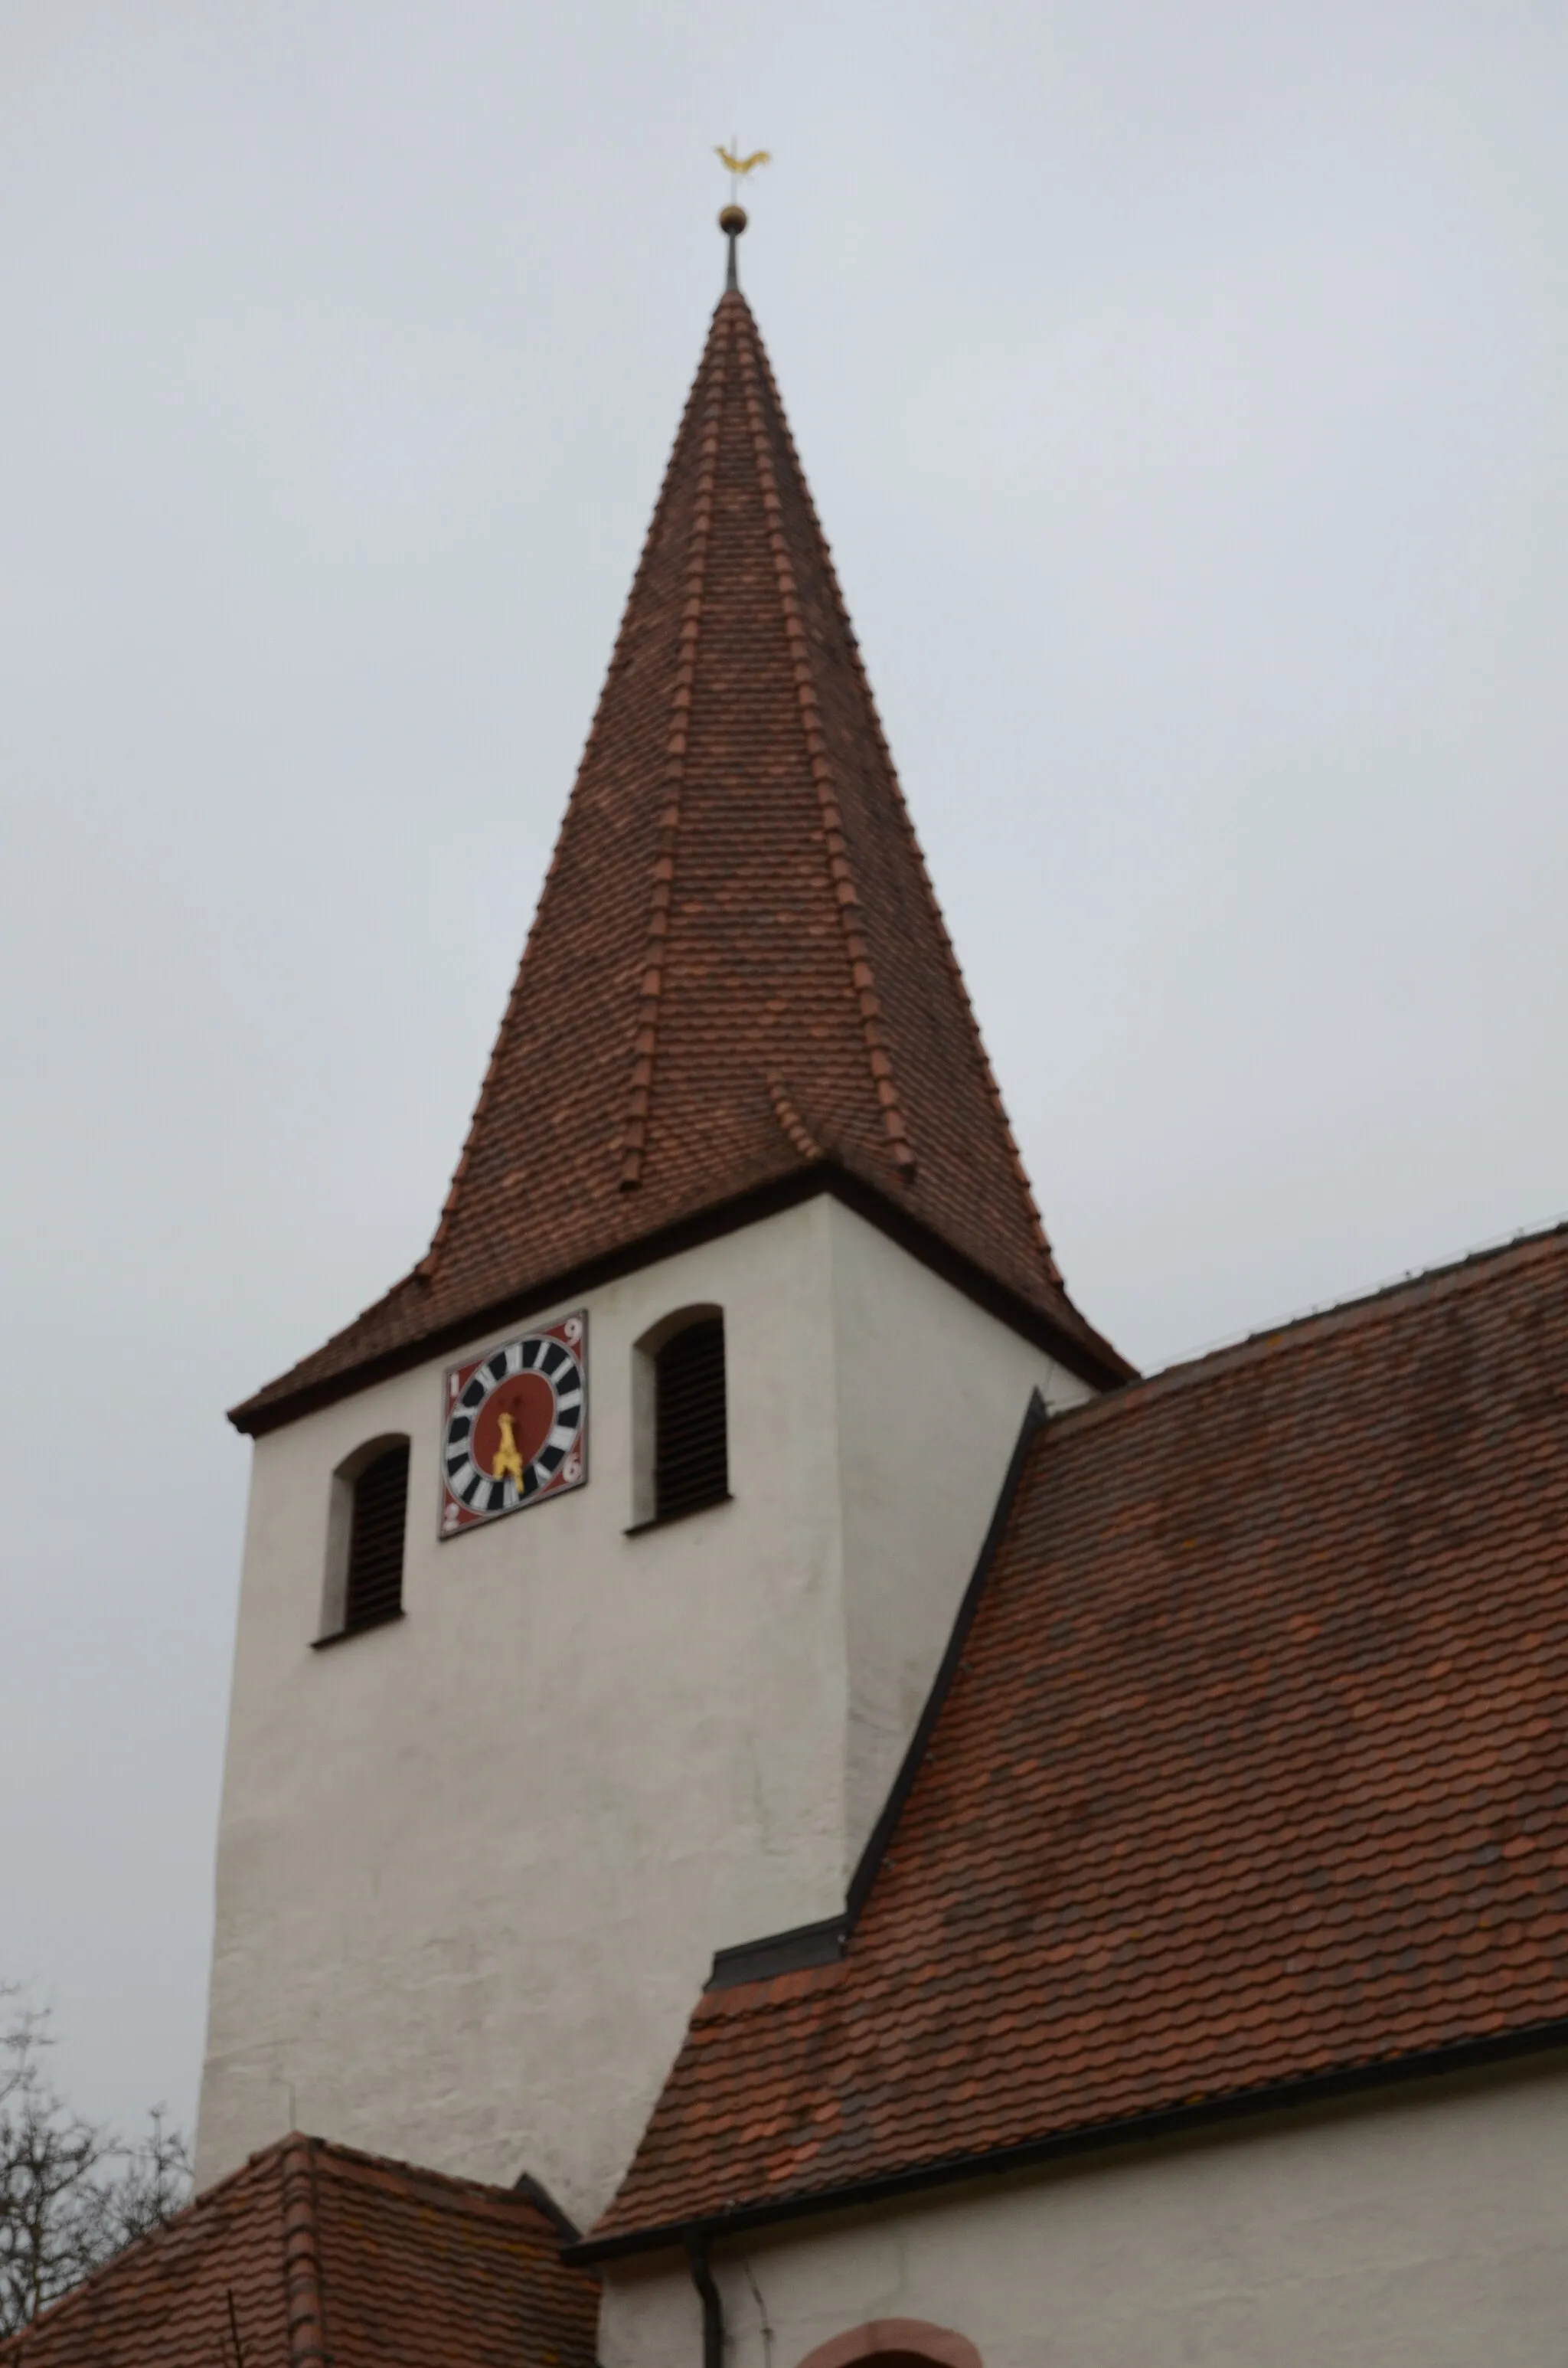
1183	392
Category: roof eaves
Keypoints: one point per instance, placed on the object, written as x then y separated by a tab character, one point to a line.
1360	2078
1074	1344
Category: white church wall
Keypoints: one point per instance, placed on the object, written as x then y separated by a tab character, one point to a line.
932	1392
1426	2229
471	1865
474	1864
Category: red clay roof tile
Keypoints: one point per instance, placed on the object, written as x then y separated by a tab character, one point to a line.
318	2257
738	975
1255	1767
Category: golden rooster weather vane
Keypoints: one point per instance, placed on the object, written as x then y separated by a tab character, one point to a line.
738	166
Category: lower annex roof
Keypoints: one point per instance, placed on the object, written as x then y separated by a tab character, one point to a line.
312	2254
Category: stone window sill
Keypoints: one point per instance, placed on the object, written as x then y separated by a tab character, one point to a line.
360	1628
668	1521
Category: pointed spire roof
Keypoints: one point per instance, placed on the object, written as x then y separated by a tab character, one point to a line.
738	988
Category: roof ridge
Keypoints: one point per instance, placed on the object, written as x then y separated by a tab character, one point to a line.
635	1123
789	1118
906	820
302	2257
846	893
525	2195
426	1268
1297	1331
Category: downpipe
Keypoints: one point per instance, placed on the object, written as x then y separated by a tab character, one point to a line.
712	2305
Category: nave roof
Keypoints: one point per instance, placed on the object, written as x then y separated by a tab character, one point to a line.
1250	1774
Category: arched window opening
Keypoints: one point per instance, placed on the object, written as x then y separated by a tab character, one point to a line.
374	1588
691	1452
680	1452
365	1540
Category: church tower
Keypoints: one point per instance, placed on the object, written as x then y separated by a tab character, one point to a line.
595	1578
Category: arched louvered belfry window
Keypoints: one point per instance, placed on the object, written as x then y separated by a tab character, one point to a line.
691	1449
372	1590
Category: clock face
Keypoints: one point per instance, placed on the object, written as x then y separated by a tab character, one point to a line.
515	1425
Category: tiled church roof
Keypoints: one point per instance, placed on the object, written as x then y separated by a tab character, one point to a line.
738	980
313	2254
1254	1771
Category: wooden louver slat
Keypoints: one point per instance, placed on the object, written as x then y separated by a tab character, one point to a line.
691	1464
374	1591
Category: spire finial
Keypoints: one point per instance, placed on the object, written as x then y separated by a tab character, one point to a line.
732	220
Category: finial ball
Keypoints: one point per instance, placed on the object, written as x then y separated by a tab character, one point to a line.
732	220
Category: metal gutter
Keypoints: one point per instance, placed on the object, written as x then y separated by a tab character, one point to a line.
1062	2145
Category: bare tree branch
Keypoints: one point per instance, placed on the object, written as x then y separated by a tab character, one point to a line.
72	2193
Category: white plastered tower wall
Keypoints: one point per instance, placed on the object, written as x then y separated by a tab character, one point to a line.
472	1866
1424	2226
931	1395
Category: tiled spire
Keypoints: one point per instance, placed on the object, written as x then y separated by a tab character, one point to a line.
738	977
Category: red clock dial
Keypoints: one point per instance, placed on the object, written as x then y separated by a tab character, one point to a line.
516	1424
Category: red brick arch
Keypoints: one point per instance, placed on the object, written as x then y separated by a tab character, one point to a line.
895	2343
